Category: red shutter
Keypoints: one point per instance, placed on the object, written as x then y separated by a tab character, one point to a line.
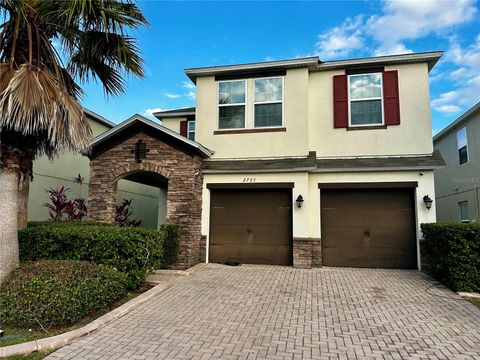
391	103
183	128
340	101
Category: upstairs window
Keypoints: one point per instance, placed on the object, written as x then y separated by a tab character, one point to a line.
462	146
231	104
268	102
191	130
365	99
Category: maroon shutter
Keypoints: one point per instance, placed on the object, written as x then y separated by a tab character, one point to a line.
183	128
391	103
340	101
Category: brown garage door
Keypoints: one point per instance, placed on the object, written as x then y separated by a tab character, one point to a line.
368	228
251	226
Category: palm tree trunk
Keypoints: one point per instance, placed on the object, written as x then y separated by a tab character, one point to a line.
23	191
9	257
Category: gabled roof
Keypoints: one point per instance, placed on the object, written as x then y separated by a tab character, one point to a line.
98	118
465	116
313	63
175	113
138	119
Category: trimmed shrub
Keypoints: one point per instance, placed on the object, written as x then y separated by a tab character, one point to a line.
52	292
453	251
133	251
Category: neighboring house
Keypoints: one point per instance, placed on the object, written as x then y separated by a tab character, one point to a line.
314	163
457	184
61	170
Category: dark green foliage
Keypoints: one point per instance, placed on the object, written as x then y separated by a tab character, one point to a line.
133	251
48	293
453	252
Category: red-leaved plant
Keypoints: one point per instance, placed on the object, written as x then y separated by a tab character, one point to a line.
62	207
123	212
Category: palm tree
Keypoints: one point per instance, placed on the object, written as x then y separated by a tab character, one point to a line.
48	48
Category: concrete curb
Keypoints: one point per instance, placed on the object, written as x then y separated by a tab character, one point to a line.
469	294
56	342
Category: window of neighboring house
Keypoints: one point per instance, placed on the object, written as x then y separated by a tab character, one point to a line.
463	208
268	102
365	99
191	130
231	104
462	146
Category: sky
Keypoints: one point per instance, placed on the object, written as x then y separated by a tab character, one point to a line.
184	34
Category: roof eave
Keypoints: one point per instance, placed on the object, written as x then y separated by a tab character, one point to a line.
464	117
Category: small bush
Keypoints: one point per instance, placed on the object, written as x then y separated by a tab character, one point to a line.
51	292
133	251
453	251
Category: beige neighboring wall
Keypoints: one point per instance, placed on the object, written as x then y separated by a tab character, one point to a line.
293	142
411	137
173	123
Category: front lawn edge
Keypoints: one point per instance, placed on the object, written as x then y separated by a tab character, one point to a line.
57	341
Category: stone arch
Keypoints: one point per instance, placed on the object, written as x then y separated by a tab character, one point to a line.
168	157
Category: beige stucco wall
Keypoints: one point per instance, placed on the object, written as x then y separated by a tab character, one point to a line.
455	182
308	118
293	142
307	220
173	123
60	171
412	136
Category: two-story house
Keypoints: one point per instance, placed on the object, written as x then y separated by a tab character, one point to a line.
314	163
458	183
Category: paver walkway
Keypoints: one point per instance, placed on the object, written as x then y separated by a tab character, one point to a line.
272	312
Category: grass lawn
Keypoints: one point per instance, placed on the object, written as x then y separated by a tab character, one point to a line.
474	300
19	335
34	356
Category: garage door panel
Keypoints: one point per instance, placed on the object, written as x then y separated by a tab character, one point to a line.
369	228
251	226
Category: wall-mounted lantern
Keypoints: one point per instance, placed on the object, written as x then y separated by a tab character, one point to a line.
299	201
428	202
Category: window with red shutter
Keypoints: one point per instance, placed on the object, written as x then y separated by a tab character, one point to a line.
184	128
391	103
340	101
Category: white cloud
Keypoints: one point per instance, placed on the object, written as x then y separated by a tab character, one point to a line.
448	109
268	58
151	111
340	41
466	77
172	96
398	21
191	95
188	85
413	19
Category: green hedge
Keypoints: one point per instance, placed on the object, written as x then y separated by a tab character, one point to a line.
57	292
453	251
133	251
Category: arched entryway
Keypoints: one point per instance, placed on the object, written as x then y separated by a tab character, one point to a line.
141	150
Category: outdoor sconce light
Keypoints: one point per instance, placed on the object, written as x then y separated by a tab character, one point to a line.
299	201
428	202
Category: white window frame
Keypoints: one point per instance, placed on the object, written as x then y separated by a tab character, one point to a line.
364	99
269	102
460	211
188	129
236	104
458	148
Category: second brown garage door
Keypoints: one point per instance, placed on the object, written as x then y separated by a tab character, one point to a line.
251	226
368	228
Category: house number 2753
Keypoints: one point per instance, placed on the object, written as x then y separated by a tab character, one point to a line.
248	180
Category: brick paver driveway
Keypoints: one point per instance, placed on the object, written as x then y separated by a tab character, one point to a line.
271	312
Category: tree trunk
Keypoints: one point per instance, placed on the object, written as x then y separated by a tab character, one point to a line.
9	257
23	191
14	165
